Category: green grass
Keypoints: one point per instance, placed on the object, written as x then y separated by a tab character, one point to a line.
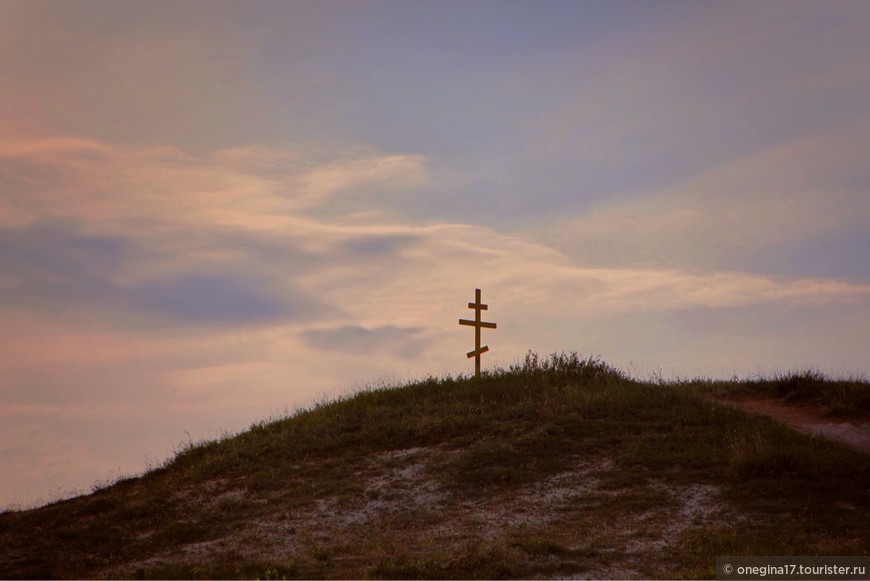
839	397
485	438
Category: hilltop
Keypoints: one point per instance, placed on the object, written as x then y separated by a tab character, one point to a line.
554	468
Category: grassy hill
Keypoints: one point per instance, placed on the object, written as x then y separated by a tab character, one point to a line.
557	467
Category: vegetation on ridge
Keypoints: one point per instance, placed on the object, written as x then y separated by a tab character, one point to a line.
555	467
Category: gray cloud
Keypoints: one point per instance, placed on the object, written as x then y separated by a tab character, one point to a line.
213	298
377	245
404	342
51	266
56	249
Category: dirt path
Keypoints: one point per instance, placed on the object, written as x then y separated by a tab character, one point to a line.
855	433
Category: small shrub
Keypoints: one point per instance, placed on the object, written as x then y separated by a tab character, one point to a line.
561	366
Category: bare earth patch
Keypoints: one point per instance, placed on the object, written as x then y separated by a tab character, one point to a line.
404	507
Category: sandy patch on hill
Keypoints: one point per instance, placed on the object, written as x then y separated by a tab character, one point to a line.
404	507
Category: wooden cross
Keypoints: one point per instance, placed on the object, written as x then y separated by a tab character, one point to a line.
477	324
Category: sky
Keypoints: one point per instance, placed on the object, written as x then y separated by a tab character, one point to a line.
213	213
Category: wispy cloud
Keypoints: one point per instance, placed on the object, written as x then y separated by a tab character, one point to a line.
723	217
361	176
162	234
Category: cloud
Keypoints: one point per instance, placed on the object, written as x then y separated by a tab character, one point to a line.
55	249
396	171
211	237
50	267
405	342
215	298
682	95
378	245
57	145
724	217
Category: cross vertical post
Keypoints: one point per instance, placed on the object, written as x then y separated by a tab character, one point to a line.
478	325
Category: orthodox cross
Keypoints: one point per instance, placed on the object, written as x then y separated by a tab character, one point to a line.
478	325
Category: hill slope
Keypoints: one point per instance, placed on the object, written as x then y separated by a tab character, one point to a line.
557	468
